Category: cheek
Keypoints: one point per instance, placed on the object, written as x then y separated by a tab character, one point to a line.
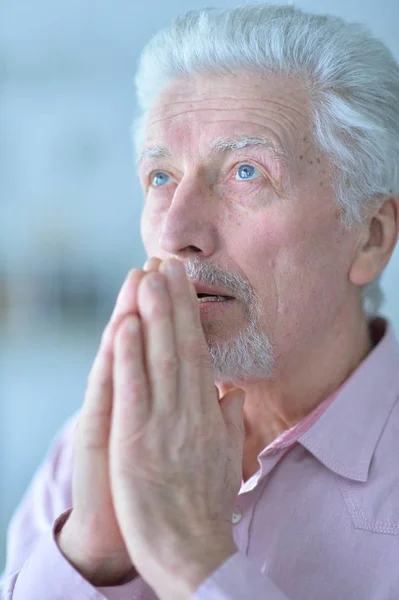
300	271
263	240
311	275
255	249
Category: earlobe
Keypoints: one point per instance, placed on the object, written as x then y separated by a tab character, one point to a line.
361	271
377	241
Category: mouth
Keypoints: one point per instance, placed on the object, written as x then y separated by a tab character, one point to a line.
211	293
202	298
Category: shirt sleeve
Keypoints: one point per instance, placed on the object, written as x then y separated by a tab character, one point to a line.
35	567
238	579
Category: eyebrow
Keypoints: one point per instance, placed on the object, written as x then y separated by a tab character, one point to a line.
154	152
222	145
230	144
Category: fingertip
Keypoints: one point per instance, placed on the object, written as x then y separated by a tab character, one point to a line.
152	264
132	324
163	268
126	299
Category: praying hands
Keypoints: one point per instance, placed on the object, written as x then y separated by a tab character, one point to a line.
157	453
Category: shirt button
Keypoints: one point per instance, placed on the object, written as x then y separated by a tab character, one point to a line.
237	516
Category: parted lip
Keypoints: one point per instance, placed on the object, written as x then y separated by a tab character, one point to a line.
210	290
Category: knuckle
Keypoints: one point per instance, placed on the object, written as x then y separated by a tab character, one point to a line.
166	366
133	276
92	430
98	380
160	309
98	386
131	388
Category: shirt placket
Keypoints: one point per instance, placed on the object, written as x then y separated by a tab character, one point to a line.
248	498
242	518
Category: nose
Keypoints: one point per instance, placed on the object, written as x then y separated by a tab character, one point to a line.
189	225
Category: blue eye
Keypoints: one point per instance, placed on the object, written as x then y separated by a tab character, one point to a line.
159	178
245	172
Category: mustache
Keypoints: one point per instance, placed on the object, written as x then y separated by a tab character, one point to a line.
208	273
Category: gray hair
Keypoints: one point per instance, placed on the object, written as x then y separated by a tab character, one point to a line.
351	78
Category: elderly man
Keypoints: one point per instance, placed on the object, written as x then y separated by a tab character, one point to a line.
268	155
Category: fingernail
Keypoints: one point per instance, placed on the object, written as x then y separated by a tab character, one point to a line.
133	324
157	282
175	269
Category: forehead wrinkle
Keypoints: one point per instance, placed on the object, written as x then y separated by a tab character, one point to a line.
281	102
277	151
286	118
180	113
164	114
191	103
206	98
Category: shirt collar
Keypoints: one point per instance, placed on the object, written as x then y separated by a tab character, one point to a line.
346	434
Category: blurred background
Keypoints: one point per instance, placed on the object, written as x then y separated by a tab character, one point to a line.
70	202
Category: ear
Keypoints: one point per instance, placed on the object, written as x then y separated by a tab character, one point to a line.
377	241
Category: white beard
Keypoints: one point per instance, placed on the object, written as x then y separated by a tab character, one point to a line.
250	354
247	356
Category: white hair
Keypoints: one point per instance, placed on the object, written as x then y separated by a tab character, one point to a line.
351	78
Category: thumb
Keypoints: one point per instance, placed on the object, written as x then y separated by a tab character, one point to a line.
231	406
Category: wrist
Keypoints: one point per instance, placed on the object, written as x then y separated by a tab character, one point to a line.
188	569
98	570
194	574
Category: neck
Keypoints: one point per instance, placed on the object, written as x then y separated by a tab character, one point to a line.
301	383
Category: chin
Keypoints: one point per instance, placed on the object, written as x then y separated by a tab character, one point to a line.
247	355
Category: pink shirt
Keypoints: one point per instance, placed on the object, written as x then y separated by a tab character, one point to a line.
318	521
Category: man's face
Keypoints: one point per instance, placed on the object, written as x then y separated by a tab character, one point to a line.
258	221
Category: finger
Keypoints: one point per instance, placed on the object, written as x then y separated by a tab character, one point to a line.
131	409
126	301
231	406
98	397
160	355
195	367
152	264
131	406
